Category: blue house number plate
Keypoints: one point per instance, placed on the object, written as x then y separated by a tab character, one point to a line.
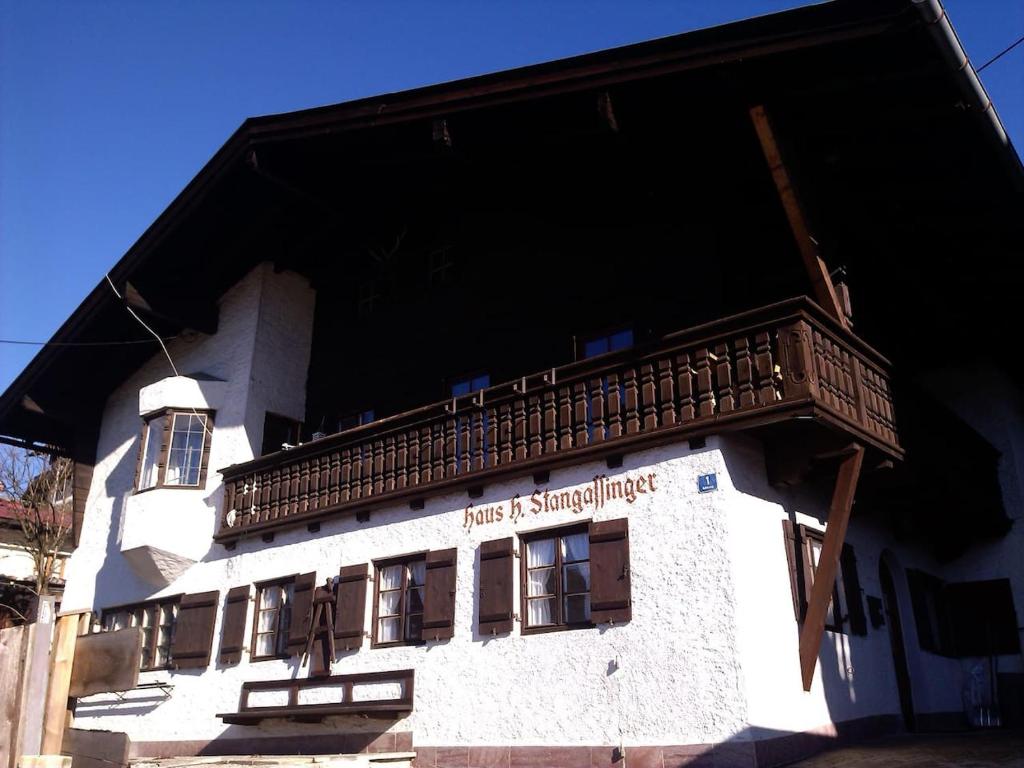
707	483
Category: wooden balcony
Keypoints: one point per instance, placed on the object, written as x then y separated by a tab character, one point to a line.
781	364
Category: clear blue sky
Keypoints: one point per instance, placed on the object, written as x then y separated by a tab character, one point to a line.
107	109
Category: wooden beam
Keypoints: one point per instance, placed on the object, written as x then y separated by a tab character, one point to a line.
57	713
821	281
828	562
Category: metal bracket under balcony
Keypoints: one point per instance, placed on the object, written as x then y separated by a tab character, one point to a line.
770	366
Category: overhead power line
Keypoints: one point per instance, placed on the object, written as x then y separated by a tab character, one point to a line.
1002	53
81	343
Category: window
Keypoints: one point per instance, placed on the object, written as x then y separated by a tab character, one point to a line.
470	384
441	267
610	342
355	420
845	611
556	579
273	620
157	620
175	450
279	431
400	591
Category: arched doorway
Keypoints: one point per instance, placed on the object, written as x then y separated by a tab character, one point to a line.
899	651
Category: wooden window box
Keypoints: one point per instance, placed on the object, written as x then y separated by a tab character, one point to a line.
300	706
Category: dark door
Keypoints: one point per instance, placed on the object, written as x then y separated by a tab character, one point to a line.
899	651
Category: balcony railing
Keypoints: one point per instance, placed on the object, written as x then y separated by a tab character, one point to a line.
749	370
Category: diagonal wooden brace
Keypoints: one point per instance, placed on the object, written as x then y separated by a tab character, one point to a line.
828	563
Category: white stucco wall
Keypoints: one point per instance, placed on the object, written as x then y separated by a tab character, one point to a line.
711	653
676	680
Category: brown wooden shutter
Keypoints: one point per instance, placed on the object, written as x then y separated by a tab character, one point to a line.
236	611
193	630
610	599
793	560
301	613
138	460
851	588
806	572
350	608
439	600
495	591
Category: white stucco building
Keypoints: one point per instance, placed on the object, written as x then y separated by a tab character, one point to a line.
485	454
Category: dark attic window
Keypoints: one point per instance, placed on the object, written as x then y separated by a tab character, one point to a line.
606	342
440	267
279	431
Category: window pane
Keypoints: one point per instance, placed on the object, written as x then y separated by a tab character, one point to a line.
577	609
265	645
414	627
267	621
541	582
185	455
389	602
540	553
391	577
270	597
151	454
595	347
620	340
389	630
417	573
575	547
415	601
577	578
540	611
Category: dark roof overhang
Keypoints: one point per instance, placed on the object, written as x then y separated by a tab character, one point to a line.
61	391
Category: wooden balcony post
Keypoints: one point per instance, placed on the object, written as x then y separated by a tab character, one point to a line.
828	562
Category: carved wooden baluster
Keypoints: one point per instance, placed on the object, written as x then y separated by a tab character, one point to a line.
468	428
492	437
477	460
506	434
294	480
415	459
261	490
723	374
705	395
630	394
313	484
230	496
849	363
278	494
648	397
438	450
334	480
356	481
666	392
614	406
453	444
366	451
597	420
550	422
246	496
564	418
426	463
389	463
344	476
325	480
536	439
823	365
766	391
401	461
684	383
581	436
378	467
745	374
303	500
